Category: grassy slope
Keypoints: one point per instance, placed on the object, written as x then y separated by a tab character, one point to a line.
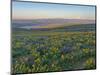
56	52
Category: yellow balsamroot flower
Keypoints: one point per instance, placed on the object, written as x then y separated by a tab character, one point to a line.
90	63
86	50
37	60
94	42
62	56
54	49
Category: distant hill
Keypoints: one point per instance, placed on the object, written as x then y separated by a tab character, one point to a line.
48	23
79	27
72	28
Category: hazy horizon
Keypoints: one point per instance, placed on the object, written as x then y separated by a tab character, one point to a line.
31	11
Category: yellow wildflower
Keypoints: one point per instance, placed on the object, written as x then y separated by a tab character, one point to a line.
62	56
86	50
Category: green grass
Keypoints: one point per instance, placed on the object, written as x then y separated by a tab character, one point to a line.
52	51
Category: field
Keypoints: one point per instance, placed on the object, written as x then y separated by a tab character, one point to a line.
51	37
52	50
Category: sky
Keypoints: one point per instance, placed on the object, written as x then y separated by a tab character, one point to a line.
32	10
